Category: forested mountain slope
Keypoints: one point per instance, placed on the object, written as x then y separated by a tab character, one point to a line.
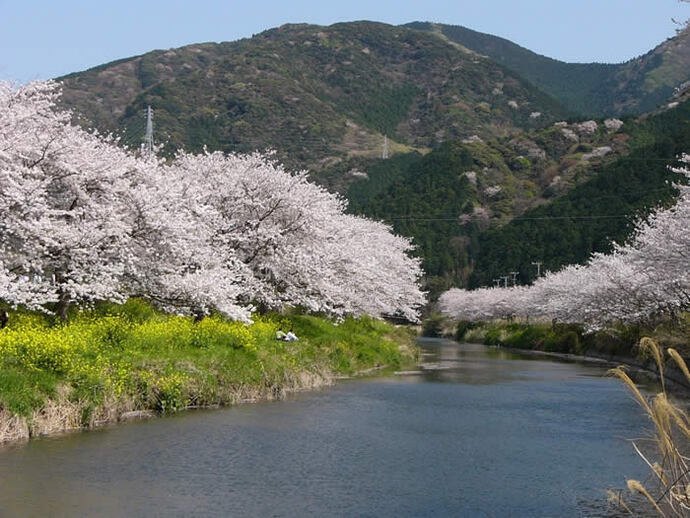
315	94
592	89
449	198
593	215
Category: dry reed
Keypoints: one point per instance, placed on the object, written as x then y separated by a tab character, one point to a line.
668	493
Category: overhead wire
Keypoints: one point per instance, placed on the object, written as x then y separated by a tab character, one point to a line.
531	218
618	216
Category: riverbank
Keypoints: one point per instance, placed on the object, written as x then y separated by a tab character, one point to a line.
571	342
119	362
546	438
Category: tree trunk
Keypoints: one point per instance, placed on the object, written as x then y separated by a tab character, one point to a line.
63	306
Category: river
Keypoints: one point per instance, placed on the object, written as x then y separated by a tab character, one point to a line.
475	432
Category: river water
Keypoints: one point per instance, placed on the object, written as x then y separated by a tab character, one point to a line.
475	432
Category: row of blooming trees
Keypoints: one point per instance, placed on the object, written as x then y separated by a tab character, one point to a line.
82	219
640	282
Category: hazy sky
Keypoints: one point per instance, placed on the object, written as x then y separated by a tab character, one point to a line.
47	38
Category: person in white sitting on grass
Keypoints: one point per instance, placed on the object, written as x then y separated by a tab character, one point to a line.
290	336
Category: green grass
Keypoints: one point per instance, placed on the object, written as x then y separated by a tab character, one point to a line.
131	355
618	341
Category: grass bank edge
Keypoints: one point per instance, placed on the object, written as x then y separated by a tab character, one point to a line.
114	360
617	344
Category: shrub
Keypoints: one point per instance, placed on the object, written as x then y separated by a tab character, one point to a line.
111	331
162	334
530	337
135	310
462	328
433	325
493	337
168	393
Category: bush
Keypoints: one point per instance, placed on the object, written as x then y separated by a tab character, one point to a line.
433	325
610	343
135	310
463	327
529	337
493	337
566	342
213	332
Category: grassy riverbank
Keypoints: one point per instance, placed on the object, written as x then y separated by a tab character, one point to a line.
120	360
573	339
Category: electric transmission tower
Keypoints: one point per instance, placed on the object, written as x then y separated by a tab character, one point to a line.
148	139
384	152
514	275
538	265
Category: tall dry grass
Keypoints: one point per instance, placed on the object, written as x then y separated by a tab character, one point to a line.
667	491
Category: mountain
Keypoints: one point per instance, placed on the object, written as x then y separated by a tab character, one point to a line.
595	214
450	198
478	211
487	173
316	94
591	89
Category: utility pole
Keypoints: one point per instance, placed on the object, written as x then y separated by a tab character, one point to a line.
538	265
515	276
384	152
148	140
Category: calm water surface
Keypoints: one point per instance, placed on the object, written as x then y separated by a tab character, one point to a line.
477	432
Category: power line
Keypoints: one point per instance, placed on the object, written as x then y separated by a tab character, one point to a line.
412	218
452	217
631	159
458	216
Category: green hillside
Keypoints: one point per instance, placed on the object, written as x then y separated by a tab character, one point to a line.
592	89
316	94
590	217
447	199
478	210
412	192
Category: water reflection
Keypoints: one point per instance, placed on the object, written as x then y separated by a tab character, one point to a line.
475	364
474	431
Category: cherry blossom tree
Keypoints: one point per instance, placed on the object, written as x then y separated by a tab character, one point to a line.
62	215
642	281
295	239
366	269
173	261
82	219
484	304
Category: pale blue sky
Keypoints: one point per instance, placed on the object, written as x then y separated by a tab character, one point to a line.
42	39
